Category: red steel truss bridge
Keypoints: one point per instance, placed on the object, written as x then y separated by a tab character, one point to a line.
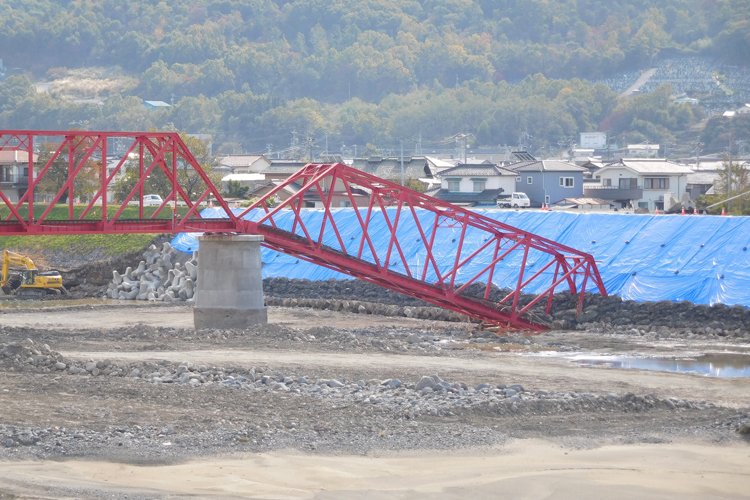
371	245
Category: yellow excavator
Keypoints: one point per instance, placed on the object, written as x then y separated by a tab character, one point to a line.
28	282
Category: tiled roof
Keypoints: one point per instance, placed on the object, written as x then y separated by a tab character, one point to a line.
702	177
14	156
655	166
284	168
390	168
476	170
545	166
240	160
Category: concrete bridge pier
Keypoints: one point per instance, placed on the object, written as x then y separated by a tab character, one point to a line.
230	283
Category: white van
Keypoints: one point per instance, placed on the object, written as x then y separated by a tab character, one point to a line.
515	200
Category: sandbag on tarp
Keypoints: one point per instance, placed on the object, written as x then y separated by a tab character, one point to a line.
640	257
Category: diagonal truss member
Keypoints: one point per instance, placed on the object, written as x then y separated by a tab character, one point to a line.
373	246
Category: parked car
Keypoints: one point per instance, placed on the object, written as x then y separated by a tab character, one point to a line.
152	200
515	200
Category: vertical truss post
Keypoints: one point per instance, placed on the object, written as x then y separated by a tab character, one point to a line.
291	234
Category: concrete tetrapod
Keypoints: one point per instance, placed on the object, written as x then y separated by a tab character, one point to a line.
157	278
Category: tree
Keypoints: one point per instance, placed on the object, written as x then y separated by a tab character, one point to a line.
740	176
157	181
86	181
235	189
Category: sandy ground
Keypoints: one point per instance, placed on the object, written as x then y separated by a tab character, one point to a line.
521	469
182	317
528	469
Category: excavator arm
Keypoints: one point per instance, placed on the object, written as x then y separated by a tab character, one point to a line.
11	258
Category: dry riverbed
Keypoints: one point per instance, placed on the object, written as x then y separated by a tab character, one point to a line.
128	401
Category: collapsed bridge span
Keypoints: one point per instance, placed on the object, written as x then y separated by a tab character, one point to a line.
354	250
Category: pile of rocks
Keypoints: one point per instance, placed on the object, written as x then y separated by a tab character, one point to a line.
430	395
362	307
158	278
612	310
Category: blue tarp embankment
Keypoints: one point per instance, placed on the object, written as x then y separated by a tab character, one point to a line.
702	259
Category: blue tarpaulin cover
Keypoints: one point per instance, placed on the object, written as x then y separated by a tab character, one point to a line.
702	259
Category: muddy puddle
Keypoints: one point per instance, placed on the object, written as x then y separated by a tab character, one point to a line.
722	365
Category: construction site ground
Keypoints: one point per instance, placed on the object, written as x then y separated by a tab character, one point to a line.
336	410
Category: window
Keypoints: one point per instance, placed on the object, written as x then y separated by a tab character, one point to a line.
454	185
643	204
518	178
628	183
606	182
656	183
479	185
529	180
546	199
345	204
566	182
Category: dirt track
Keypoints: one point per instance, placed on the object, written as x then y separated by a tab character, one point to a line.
314	430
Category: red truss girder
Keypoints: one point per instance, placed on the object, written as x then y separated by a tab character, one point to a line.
150	152
426	281
324	182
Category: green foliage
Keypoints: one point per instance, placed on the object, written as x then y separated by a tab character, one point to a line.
251	71
651	117
720	131
235	189
86	180
157	181
105	245
740	182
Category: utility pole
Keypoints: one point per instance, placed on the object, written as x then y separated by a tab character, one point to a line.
730	115
698	149
310	148
461	146
402	162
326	153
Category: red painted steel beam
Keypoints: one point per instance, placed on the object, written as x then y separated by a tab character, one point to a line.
325	180
165	154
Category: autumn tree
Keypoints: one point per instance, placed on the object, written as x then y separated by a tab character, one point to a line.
157	182
87	180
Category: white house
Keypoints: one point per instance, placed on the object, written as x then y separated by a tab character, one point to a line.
646	183
593	140
474	184
244	164
14	173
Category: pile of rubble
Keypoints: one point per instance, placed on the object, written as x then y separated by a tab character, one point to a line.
158	278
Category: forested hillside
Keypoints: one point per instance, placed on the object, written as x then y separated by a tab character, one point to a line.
252	71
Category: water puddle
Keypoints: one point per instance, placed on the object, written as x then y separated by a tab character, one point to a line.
722	365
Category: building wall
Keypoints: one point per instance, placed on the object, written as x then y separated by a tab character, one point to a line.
677	185
11	194
506	182
548	184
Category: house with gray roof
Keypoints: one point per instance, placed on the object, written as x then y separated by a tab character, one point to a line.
244	164
281	169
548	181
650	183
700	181
474	184
415	167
